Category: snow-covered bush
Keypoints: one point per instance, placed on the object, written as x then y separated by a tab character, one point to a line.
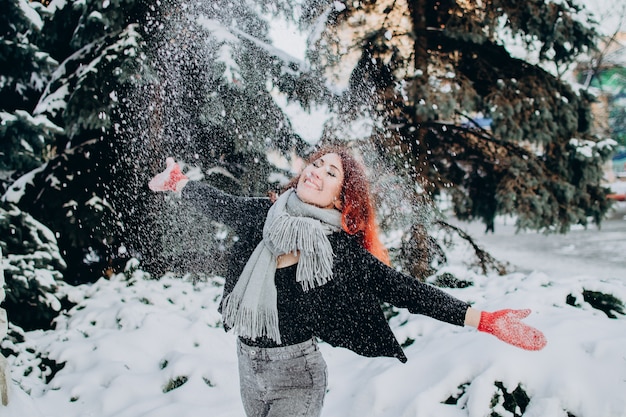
33	270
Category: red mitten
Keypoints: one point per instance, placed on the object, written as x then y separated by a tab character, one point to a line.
506	326
172	179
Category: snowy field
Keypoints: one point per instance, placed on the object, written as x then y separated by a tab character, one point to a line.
135	347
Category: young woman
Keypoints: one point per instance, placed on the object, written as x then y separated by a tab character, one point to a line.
310	265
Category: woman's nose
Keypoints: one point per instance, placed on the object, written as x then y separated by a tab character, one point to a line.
316	172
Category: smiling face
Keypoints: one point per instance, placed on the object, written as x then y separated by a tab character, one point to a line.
321	181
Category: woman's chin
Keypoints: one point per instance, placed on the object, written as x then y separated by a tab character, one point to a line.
309	199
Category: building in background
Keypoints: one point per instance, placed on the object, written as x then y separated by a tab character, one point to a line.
604	75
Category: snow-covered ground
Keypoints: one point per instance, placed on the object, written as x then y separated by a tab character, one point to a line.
137	347
595	252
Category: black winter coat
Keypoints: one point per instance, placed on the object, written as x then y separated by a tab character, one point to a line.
347	310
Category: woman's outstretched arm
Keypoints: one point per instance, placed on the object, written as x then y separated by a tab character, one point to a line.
421	298
237	212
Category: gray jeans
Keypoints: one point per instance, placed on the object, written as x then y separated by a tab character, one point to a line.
285	381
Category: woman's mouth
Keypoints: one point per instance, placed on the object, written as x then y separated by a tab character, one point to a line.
310	182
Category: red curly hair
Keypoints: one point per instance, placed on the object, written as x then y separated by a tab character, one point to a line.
357	208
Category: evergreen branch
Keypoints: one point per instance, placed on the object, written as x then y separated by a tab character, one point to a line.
485	260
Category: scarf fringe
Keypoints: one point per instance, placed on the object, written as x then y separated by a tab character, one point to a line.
304	235
251	323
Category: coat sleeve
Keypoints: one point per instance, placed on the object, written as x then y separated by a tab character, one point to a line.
236	212
404	291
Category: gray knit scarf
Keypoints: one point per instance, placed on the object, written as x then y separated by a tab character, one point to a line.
291	226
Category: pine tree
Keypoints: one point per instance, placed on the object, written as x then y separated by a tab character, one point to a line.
31	268
25	139
97	48
430	72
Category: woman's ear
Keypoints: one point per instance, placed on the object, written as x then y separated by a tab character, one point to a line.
337	203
